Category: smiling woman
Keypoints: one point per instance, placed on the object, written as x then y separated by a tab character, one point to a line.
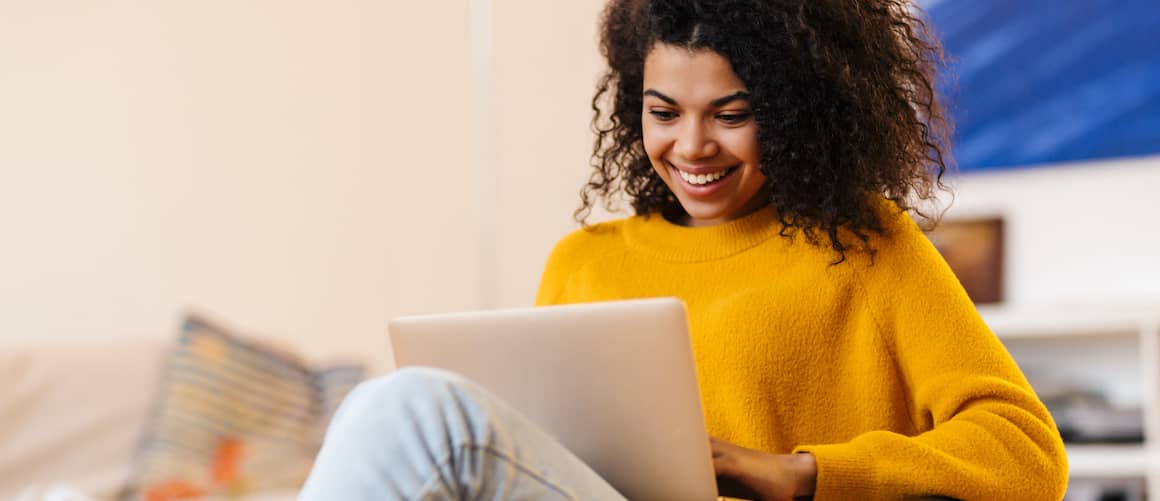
700	135
773	152
840	108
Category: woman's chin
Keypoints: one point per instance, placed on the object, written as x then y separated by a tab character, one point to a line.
705	216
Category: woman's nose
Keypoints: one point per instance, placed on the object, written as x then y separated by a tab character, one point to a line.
694	142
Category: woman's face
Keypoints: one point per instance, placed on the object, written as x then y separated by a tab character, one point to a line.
700	134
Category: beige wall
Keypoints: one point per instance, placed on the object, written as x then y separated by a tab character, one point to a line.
546	64
297	168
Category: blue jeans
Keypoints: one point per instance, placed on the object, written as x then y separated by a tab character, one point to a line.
428	434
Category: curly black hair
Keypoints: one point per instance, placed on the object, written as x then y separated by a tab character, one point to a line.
843	92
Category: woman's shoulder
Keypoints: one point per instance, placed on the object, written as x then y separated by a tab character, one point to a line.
898	224
590	240
574	251
902	243
597	234
903	254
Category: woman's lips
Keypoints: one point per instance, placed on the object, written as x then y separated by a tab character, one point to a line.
704	190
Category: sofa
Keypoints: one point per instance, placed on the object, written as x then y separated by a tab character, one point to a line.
73	412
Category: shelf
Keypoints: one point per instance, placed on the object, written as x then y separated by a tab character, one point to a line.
1040	322
1108	461
1112	349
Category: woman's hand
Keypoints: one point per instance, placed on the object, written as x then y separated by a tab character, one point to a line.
776	477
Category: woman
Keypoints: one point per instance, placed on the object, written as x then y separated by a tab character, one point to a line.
773	151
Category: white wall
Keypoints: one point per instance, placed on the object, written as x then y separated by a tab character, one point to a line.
1085	233
294	168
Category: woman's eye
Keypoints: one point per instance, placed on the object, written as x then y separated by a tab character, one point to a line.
733	118
663	115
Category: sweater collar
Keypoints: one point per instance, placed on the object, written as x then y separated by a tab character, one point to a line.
655	235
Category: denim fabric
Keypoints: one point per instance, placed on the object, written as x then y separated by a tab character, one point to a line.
428	434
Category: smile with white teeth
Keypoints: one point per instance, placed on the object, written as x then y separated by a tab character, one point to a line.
700	179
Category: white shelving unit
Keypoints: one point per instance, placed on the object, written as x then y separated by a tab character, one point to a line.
1108	461
1115	350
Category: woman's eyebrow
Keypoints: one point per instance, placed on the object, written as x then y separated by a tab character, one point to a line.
722	101
657	94
716	103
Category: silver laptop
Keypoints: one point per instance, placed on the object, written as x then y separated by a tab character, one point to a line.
614	382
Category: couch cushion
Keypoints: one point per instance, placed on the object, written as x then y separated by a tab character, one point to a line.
72	410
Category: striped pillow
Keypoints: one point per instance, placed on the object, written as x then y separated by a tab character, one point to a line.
233	417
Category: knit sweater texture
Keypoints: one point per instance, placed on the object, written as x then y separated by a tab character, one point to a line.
880	367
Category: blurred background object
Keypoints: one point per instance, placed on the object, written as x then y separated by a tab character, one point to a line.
974	250
233	416
1057	108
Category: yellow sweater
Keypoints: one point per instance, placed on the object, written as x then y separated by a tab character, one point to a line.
884	371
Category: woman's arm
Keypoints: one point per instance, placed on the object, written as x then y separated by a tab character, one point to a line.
980	430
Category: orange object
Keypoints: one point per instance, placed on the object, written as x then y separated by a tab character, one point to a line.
227	463
172	490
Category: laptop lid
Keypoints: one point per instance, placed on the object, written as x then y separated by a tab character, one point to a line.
614	382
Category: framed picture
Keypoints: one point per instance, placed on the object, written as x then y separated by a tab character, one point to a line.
974	250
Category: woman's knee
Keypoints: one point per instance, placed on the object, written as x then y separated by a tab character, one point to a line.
408	385
413	398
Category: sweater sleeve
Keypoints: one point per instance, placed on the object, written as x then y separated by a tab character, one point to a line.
983	434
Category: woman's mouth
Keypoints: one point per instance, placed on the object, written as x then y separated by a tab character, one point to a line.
705	179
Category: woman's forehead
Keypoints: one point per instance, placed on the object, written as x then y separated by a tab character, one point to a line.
689	76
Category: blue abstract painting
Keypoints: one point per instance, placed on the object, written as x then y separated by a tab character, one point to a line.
1036	82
